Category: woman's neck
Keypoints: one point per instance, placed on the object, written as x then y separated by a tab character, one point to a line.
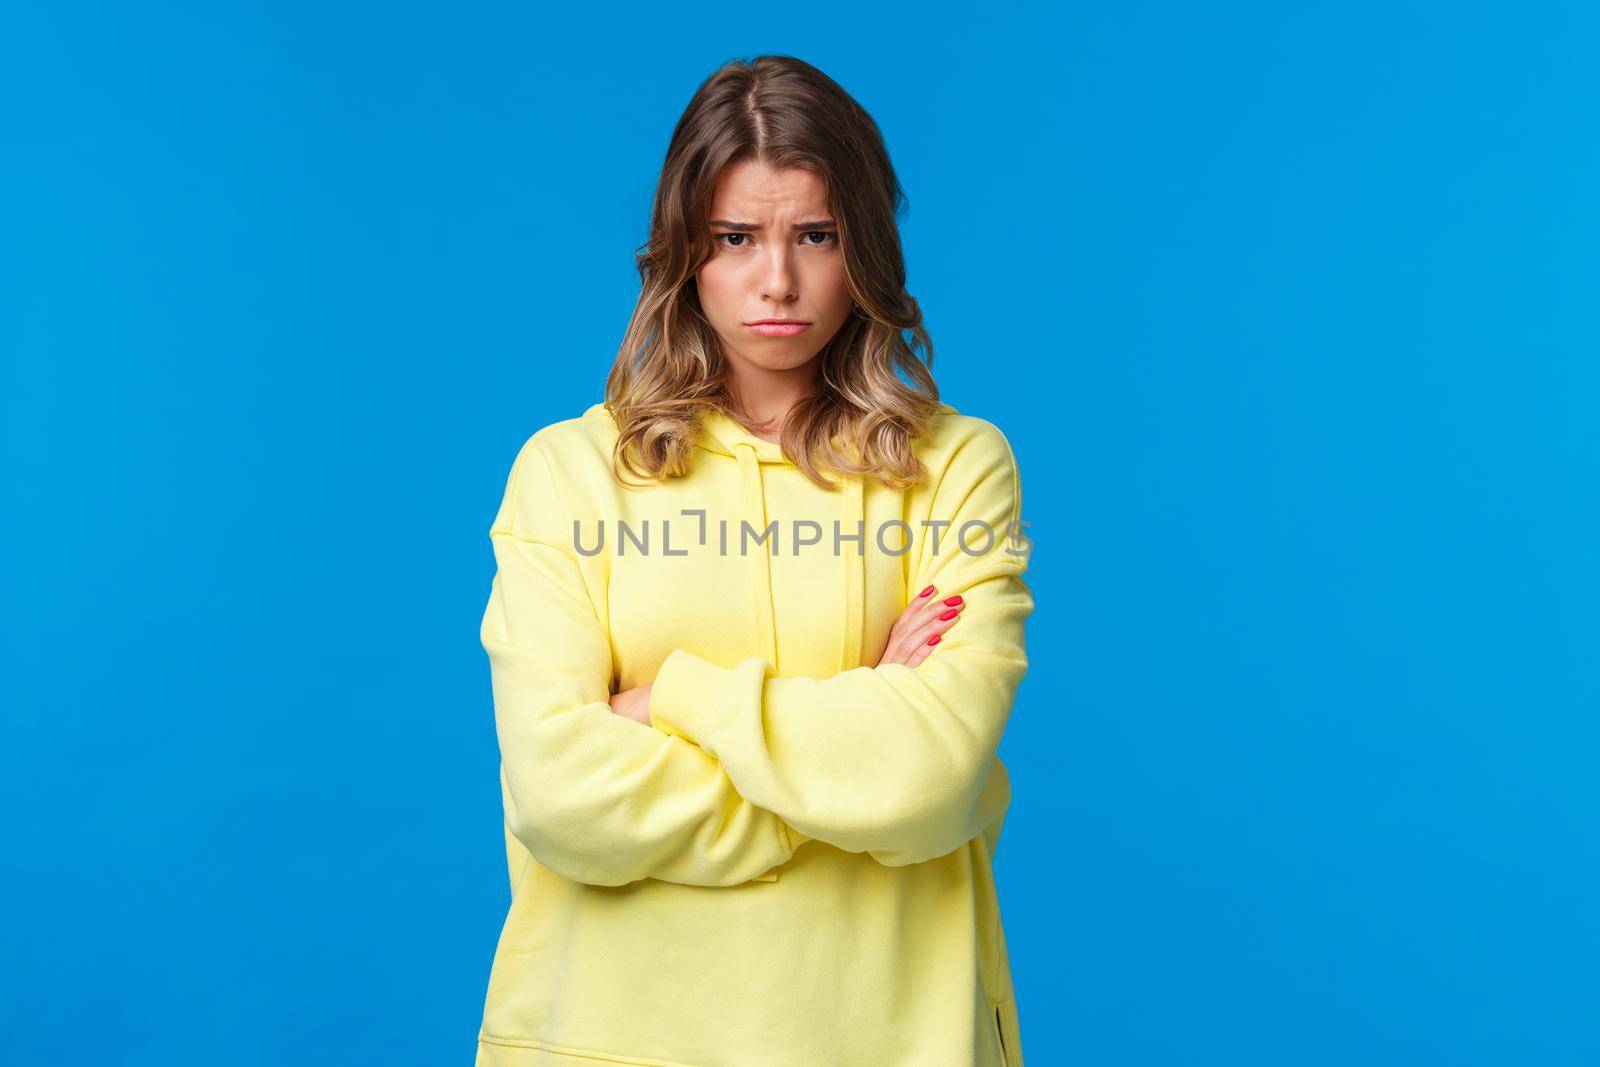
765	402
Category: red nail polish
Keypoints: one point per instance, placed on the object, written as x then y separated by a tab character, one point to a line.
934	640
926	591
952	600
952	613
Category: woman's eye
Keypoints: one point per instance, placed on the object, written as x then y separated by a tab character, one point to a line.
828	237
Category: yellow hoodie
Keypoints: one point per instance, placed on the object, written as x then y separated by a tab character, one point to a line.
793	868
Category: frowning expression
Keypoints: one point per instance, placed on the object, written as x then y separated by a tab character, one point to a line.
776	256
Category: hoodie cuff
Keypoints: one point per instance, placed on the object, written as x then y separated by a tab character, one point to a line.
792	838
685	693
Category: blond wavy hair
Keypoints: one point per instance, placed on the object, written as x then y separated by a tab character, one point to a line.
863	418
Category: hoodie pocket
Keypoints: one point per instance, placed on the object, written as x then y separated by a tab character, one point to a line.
1005	1033
1000	1034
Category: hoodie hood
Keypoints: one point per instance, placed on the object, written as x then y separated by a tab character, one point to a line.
759	459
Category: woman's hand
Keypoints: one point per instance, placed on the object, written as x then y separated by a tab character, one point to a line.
633	704
918	629
911	640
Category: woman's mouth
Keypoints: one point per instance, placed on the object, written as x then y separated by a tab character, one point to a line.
773	328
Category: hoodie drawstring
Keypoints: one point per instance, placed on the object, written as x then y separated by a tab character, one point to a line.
755	509
727	438
852	556
854	560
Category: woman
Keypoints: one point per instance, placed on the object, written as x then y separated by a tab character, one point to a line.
755	633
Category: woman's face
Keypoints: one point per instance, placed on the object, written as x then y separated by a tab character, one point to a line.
776	256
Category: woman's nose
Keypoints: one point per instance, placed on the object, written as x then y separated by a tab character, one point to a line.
778	283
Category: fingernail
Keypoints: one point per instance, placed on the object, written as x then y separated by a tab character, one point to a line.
934	640
952	600
952	613
926	591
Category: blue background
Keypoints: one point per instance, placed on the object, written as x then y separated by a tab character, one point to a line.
1288	310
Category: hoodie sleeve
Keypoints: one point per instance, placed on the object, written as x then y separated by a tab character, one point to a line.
895	761
594	796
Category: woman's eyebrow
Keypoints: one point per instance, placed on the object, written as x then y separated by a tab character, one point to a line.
816	224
